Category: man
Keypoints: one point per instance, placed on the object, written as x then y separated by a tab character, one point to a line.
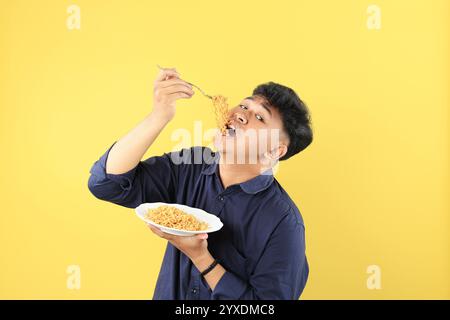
260	251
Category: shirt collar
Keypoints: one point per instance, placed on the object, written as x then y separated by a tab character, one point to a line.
252	186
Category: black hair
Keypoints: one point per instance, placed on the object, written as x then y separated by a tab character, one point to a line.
294	114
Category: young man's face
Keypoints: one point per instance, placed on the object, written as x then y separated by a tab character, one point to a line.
255	129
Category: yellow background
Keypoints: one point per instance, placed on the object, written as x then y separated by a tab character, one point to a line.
373	187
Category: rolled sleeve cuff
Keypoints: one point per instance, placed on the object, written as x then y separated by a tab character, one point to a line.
229	287
99	171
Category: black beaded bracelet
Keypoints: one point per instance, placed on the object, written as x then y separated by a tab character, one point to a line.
212	265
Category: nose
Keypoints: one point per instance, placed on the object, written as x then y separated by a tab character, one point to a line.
241	118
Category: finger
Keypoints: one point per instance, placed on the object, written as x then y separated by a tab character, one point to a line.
161	233
177	88
166	68
156	234
168	236
171	82
152	227
166	73
202	236
179	95
156	231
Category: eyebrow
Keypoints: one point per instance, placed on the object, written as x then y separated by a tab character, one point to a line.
265	106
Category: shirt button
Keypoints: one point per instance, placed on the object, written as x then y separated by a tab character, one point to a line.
221	198
194	291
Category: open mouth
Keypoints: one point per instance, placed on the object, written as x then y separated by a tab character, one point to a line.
230	130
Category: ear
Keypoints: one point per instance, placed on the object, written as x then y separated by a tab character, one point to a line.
276	153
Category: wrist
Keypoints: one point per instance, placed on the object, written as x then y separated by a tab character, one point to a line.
161	117
203	261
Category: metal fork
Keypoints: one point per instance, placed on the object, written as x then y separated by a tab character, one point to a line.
201	91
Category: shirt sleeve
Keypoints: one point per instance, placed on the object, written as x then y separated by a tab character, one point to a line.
281	272
152	180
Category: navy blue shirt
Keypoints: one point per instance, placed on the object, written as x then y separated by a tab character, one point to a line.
261	244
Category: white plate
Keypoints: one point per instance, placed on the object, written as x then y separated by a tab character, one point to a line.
213	221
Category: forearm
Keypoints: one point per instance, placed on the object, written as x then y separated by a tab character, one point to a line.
129	150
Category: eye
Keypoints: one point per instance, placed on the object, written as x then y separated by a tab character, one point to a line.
243	107
259	118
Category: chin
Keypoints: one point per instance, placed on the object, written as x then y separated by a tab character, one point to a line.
229	146
223	143
228	153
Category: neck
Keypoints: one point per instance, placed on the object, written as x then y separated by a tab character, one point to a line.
237	173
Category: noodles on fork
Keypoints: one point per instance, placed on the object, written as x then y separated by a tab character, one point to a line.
221	112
